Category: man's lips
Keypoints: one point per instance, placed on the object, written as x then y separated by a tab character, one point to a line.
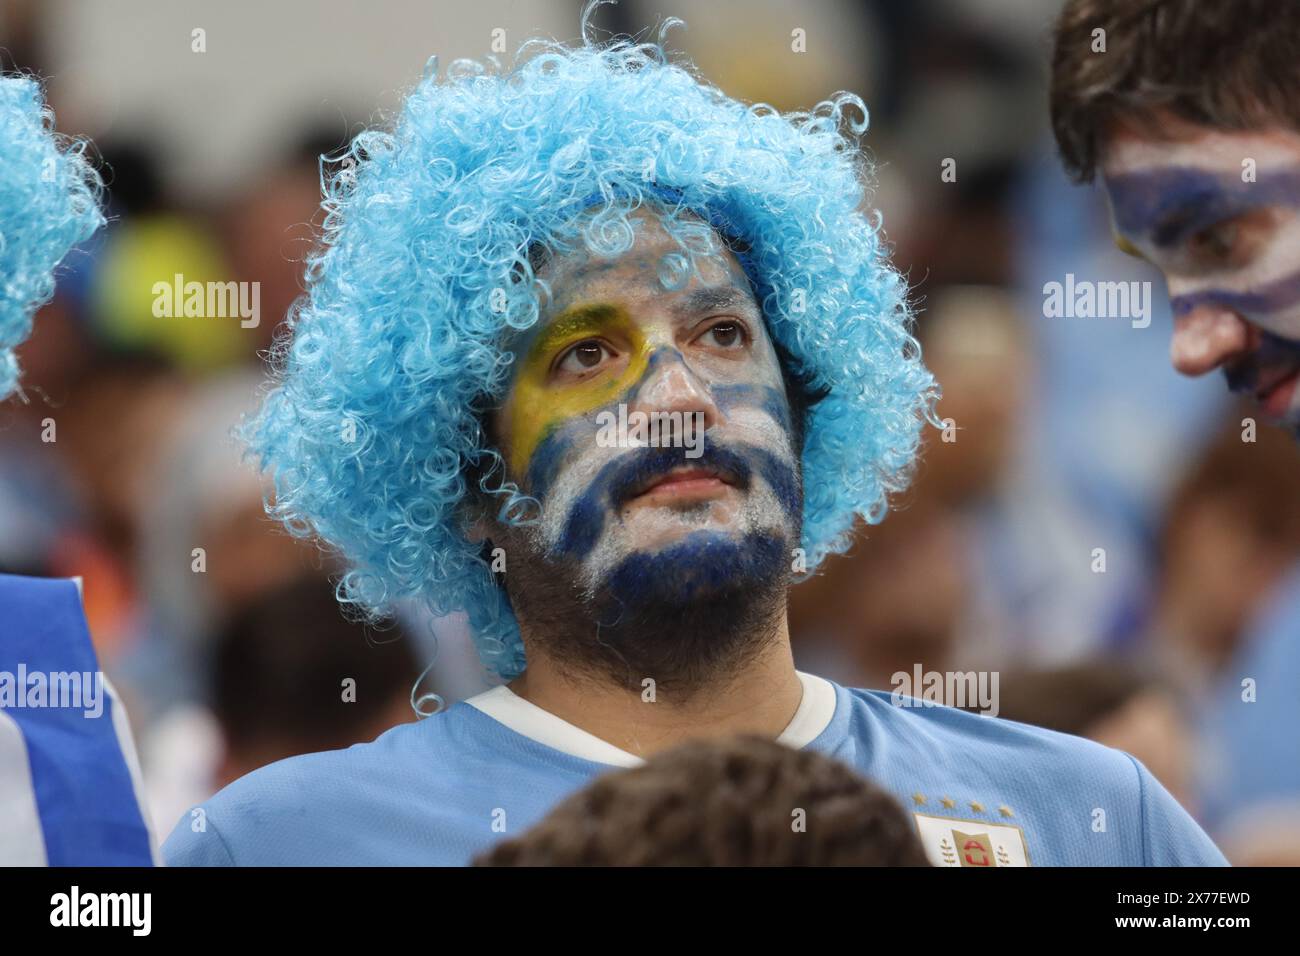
684	482
1275	399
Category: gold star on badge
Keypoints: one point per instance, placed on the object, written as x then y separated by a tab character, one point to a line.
949	803
1005	811
977	807
919	798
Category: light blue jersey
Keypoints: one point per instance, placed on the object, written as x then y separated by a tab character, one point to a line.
981	791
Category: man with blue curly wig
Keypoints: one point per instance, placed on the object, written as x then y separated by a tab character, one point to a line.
69	780
606	360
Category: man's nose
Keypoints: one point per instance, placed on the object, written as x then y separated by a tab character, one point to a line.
670	385
1208	337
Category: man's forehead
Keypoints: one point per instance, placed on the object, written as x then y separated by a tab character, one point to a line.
1178	143
664	276
1164	184
657	254
657	266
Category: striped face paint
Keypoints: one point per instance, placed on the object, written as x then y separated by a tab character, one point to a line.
1219	214
617	338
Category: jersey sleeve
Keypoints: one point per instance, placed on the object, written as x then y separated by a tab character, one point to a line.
1170	837
195	843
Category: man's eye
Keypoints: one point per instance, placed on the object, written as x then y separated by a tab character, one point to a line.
582	357
1216	243
724	335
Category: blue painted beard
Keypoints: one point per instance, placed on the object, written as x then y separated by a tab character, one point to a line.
679	612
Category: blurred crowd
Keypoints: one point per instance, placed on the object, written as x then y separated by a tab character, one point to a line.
1093	528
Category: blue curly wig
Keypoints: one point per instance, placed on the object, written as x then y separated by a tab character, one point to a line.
48	204
376	418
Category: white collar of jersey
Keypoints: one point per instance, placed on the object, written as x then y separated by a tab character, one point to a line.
816	708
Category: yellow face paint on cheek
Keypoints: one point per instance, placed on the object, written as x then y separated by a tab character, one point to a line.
538	405
1126	247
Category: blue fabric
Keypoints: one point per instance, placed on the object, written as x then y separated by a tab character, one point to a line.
89	812
429	793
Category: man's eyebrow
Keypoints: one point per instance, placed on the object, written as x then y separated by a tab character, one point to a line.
1158	202
578	320
709	298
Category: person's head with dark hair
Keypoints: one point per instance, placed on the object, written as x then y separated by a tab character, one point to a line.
1130	707
737	801
291	675
1190	112
1230	532
1073	698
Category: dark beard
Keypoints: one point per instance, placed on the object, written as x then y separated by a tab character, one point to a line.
687	617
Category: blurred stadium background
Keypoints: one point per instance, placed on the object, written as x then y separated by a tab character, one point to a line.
1073	434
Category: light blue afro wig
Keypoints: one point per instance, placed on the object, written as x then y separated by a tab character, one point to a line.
48	204
376	419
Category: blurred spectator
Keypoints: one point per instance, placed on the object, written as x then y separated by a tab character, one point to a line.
205	546
1249	768
893	603
289	675
1231	532
974	343
269	228
1114	704
292	675
915	587
744	801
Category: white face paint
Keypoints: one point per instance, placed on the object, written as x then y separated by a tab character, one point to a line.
663	516
615	336
1218	212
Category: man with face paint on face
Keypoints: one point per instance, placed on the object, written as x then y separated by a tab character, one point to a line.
1190	112
598	237
677	562
1191	116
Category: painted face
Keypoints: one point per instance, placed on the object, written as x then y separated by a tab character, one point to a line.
1218	213
648	416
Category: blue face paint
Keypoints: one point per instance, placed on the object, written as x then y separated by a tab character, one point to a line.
622	479
552	453
771	400
1274	297
701	564
1168	205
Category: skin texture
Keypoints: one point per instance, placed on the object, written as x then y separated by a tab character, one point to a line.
1229	247
643	563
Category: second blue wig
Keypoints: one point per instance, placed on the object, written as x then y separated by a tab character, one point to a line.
48	204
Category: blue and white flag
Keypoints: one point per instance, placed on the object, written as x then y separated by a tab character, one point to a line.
70	788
